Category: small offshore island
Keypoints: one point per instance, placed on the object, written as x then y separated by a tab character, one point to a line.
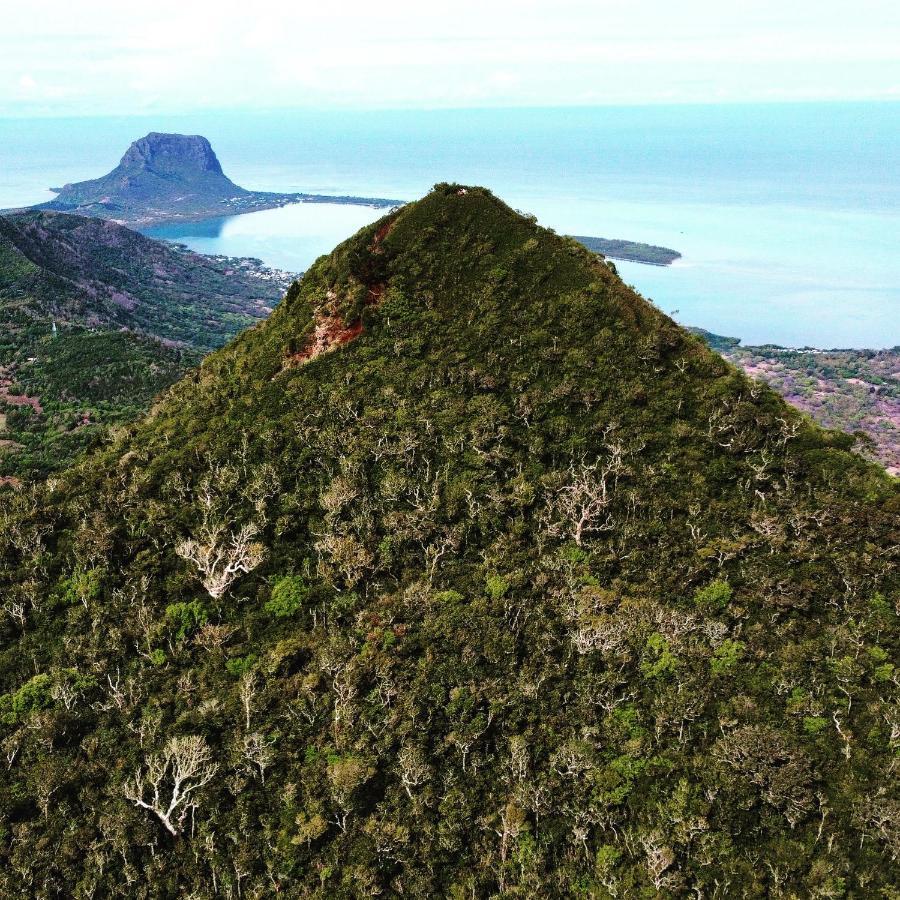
165	178
630	251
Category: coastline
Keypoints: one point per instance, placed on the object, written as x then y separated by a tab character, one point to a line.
255	201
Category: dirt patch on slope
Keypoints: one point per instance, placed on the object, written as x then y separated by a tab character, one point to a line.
16	399
330	330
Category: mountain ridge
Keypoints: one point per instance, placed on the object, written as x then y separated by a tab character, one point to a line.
110	275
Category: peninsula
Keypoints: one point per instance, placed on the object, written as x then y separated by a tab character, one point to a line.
175	178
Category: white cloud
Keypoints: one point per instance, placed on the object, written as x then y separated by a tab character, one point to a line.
103	56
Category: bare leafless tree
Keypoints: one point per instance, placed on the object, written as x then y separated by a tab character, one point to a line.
247	689
213	637
222	556
171	778
581	506
17	611
659	859
414	771
257	751
879	816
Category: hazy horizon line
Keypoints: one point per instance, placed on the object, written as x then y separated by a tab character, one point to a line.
880	99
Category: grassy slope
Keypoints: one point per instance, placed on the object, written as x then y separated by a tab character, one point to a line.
457	699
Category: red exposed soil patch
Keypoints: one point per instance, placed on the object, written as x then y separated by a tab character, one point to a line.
6	380
330	332
22	400
376	291
9	480
382	233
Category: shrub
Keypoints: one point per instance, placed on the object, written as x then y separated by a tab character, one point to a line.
726	656
716	595
812	725
660	662
186	617
33	695
79	587
288	595
496	587
606	858
238	665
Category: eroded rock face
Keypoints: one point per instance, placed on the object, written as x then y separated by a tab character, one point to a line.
171	154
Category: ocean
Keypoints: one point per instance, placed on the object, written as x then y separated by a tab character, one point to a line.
787	215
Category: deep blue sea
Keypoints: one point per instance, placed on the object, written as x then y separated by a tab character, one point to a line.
788	216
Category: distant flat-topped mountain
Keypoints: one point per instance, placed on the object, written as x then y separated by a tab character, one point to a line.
172	177
158	168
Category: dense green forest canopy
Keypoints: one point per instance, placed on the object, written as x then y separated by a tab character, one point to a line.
468	573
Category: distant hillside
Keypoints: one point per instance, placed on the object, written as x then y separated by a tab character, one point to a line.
96	320
718	342
174	177
856	391
99	274
630	251
466	574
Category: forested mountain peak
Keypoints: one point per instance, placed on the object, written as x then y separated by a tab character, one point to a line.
466	573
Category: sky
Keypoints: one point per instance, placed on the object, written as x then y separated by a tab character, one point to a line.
97	57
